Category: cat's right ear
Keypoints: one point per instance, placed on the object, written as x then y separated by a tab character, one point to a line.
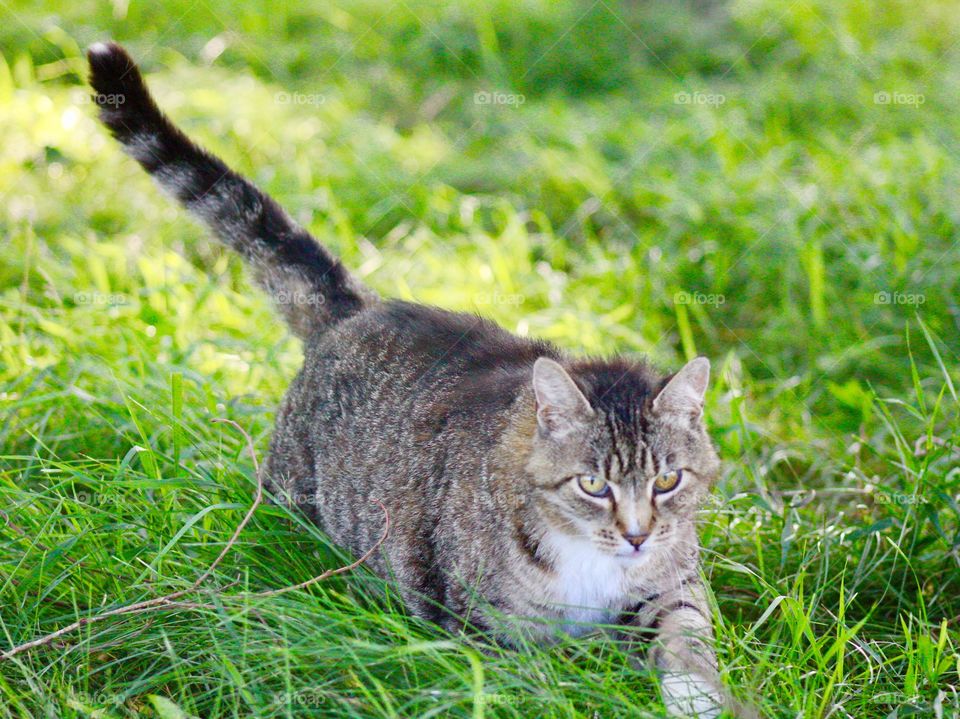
561	406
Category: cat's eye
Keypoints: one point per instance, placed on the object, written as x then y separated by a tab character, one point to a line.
593	485
667	481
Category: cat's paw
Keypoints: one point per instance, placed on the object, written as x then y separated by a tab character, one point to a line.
690	695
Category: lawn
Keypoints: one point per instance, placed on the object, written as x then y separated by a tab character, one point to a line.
771	184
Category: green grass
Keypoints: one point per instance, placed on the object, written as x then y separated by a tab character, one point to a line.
800	233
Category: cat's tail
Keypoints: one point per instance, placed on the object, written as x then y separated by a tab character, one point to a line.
311	287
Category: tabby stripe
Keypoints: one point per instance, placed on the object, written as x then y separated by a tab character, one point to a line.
608	421
644	426
689	579
664	612
649	598
677	606
530	547
619	447
642	603
632	458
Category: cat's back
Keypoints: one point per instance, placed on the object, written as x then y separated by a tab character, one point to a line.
386	401
416	356
432	342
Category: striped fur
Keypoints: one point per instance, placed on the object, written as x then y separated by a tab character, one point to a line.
478	442
311	288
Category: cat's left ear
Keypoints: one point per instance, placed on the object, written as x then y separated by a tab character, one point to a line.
685	391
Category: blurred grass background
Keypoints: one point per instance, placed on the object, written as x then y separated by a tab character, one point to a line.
771	184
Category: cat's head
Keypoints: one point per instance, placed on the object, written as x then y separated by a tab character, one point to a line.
620	458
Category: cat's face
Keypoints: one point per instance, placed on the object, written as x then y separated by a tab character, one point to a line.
624	478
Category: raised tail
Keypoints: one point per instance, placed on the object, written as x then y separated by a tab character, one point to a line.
311	288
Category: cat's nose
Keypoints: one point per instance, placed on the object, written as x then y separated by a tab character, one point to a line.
636	539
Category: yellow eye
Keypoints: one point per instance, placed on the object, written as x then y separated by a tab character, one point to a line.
667	481
593	486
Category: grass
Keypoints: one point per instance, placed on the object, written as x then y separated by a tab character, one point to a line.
771	184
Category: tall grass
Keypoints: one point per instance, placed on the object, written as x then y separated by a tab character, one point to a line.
770	184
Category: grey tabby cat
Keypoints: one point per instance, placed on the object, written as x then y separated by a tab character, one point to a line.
528	490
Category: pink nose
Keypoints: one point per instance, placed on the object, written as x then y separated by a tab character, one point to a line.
636	539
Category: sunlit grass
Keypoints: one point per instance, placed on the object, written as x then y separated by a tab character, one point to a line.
799	233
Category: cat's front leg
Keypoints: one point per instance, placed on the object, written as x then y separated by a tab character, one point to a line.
679	643
684	656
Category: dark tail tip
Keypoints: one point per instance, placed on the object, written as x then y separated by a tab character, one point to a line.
119	90
112	70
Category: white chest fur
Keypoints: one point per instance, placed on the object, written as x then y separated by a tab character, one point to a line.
588	586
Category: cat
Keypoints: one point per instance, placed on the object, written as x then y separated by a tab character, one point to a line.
528	491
